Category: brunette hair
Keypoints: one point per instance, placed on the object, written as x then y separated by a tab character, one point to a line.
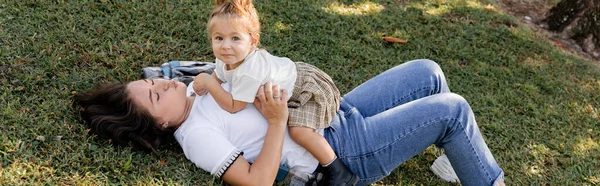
237	9
110	113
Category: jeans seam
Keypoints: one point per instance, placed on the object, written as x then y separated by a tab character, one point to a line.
395	103
473	149
371	179
342	154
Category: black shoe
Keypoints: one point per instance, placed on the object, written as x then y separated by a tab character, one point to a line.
337	174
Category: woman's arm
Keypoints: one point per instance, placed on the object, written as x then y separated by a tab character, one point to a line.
210	83
264	169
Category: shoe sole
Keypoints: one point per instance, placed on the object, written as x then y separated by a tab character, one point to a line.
354	180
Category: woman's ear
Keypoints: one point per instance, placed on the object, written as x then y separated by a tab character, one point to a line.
165	125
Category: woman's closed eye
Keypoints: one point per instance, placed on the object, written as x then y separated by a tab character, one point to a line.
157	96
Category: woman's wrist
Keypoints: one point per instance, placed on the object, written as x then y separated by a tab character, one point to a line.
279	124
279	119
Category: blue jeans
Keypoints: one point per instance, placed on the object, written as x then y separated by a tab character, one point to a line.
398	114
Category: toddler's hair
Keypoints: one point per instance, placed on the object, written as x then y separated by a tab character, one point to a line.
242	10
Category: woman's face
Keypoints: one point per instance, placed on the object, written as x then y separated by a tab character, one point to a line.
164	99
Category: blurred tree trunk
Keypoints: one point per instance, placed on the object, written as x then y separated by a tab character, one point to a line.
578	20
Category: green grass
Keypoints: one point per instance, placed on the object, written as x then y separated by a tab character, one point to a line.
537	107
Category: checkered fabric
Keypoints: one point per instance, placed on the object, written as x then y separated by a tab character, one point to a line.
315	99
183	71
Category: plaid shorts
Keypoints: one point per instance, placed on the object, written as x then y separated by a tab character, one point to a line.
315	98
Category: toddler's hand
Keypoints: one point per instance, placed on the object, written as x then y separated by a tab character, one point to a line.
200	82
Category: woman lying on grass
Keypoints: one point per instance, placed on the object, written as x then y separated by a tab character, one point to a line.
380	124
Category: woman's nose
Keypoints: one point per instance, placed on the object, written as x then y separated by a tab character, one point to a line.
166	85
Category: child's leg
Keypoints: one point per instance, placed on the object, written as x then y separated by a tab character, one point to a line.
314	143
335	172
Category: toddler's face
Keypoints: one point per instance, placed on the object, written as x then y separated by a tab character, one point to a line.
230	42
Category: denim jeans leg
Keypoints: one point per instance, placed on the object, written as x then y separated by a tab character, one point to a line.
374	146
406	82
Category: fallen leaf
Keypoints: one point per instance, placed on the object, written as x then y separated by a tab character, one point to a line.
559	43
390	39
162	162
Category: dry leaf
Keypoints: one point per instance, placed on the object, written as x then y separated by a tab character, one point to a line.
162	162
389	39
559	43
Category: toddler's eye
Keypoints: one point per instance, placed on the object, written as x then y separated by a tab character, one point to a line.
219	38
236	38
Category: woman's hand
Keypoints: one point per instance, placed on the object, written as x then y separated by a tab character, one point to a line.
272	103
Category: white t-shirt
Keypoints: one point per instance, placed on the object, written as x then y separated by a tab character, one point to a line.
213	138
258	68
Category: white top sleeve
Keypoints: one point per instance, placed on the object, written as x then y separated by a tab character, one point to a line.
204	144
220	70
222	152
